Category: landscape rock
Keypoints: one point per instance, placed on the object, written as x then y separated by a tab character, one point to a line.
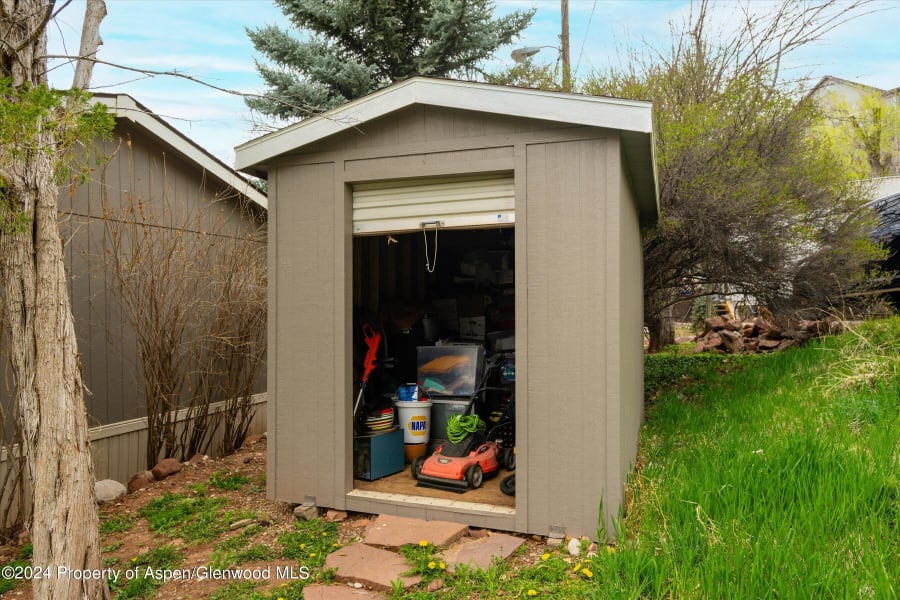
140	480
197	459
574	547
478	533
318	591
435	585
335	516
306	512
733	342
714	323
389	531
109	489
373	567
251	440
166	467
241	523
481	552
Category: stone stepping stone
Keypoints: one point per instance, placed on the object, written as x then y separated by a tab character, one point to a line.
481	552
338	592
389	531
373	567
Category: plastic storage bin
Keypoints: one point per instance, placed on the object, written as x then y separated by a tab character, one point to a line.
449	370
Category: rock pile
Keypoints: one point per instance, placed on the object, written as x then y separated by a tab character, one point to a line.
736	337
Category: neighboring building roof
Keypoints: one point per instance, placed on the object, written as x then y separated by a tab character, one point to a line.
632	118
126	107
846	87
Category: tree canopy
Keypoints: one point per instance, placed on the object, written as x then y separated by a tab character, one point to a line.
749	199
343	49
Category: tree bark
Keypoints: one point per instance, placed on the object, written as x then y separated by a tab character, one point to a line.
661	329
43	348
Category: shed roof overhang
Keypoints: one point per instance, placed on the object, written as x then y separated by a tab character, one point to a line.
126	107
632	119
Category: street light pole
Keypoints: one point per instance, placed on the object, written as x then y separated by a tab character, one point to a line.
564	48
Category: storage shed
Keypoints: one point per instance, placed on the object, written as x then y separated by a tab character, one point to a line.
467	208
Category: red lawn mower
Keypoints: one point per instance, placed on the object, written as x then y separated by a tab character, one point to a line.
471	455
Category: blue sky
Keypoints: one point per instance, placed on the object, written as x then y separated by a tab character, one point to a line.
206	39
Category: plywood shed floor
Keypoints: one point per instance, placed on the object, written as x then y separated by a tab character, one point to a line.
403	483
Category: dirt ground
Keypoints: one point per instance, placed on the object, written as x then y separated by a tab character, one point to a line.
276	518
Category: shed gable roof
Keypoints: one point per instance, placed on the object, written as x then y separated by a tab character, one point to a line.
126	107
632	119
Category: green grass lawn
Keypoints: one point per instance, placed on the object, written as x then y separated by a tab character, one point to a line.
779	478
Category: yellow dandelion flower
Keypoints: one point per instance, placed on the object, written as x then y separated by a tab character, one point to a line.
284	584
545	556
432	565
587	572
610	549
443	565
302	546
324	533
423	543
577	568
312	554
532	592
335	544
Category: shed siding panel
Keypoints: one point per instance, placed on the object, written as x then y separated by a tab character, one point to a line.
566	254
426	124
305	284
630	325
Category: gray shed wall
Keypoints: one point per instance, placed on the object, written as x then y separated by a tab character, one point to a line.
149	170
577	306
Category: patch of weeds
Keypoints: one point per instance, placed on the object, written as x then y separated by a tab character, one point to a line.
262	479
111	561
22	560
161	557
310	543
423	560
112	547
237	550
198	488
10	584
666	369
246	590
192	519
223	480
233	516
116	524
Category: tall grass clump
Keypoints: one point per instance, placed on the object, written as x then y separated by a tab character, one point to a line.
778	479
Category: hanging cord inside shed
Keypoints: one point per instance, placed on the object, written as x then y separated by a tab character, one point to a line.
430	263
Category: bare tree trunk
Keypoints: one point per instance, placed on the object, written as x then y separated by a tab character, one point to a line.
43	348
661	329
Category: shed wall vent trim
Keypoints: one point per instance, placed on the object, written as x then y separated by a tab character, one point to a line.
397	206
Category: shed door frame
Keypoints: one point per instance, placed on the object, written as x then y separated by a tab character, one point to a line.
399	206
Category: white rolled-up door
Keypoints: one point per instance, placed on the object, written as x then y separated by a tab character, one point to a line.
449	202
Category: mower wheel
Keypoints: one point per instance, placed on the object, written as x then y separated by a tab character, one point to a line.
509	459
416	467
474	475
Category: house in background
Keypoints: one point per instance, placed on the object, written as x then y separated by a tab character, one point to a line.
390	199
153	163
849	100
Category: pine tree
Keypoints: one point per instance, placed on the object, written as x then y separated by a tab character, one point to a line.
349	48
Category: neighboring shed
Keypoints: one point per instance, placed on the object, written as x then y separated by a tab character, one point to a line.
158	166
550	190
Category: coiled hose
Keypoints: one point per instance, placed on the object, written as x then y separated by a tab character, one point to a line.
460	426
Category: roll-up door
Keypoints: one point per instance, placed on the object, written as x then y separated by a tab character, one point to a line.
405	205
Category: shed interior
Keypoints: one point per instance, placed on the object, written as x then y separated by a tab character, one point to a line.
447	289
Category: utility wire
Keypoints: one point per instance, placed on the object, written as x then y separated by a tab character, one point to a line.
586	31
